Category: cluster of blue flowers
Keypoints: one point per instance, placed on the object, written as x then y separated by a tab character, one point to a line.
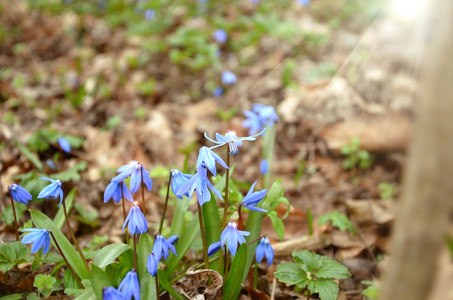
260	117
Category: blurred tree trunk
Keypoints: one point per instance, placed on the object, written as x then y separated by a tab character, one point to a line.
427	195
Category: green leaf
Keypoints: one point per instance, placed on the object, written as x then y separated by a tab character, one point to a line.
326	288
12	297
290	273
11	254
71	173
44	283
212	225
338	220
177	224
182	246
59	217
277	223
167	286
7	215
309	261
232	286
333	269
109	253
147	284
253	225
31	156
372	291
87	295
99	280
69	280
33	296
73	257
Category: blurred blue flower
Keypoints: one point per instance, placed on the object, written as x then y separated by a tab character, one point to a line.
264	166
114	190
253	122
129	286
151	264
254	1
232	140
161	247
213	248
51	164
252	199
304	2
64	144
232	236
110	293
260	117
53	190
218	91
19	193
136	221
150	14
264	248
40	238
177	180
220	36
228	78
173	239
135	170
209	158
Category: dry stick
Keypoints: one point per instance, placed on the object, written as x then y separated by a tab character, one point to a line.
15	218
143	194
73	237
165	205
203	236
157	287
66	261
29	287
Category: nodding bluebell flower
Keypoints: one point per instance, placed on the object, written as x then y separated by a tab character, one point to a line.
260	117
151	264
218	91
113	190
40	238
135	170
264	248
264	166
19	193
173	239
304	2
136	221
252	199
129	286
213	248
209	158
232	236
228	78
220	36
177	180
110	293
161	247
253	122
64	144
150	14
53	190
51	164
232	140
201	184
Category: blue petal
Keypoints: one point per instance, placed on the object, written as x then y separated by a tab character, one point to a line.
214	190
260	251
136	180
269	254
151	264
213	248
126	193
64	144
147	180
214	141
109	191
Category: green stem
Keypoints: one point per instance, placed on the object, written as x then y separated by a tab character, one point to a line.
15	218
225	206
126	233
143	194
203	236
166	203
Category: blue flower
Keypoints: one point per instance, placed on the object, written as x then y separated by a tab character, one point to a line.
114	190
232	236
201	184
213	248
232	140
64	144
151	264
177	180
50	163
260	117
161	247
39	237
220	36
252	199
228	78
209	158
264	248
173	239
150	14
111	293
53	190
135	170
218	91
264	166
129	286
304	2
253	122
137	221
19	193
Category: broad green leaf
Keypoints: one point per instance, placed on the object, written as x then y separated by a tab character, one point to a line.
99	280
71	173
372	291
69	281
326	288
87	295
12	297
212	225
309	261
31	156
109	254
277	223
6	266
253	225
73	257
147	284
44	282
333	269
177	223
290	273
338	220
232	286
11	254
182	246
59	217
277	202
167	286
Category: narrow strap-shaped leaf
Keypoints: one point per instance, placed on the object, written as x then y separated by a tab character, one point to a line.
167	286
177	224
87	295
232	287
254	227
99	280
73	257
212	225
31	156
109	253
59	217
147	283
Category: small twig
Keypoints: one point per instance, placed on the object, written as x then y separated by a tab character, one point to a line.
274	285
15	218
165	205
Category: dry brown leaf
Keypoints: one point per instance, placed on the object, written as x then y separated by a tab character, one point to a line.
377	211
312	243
